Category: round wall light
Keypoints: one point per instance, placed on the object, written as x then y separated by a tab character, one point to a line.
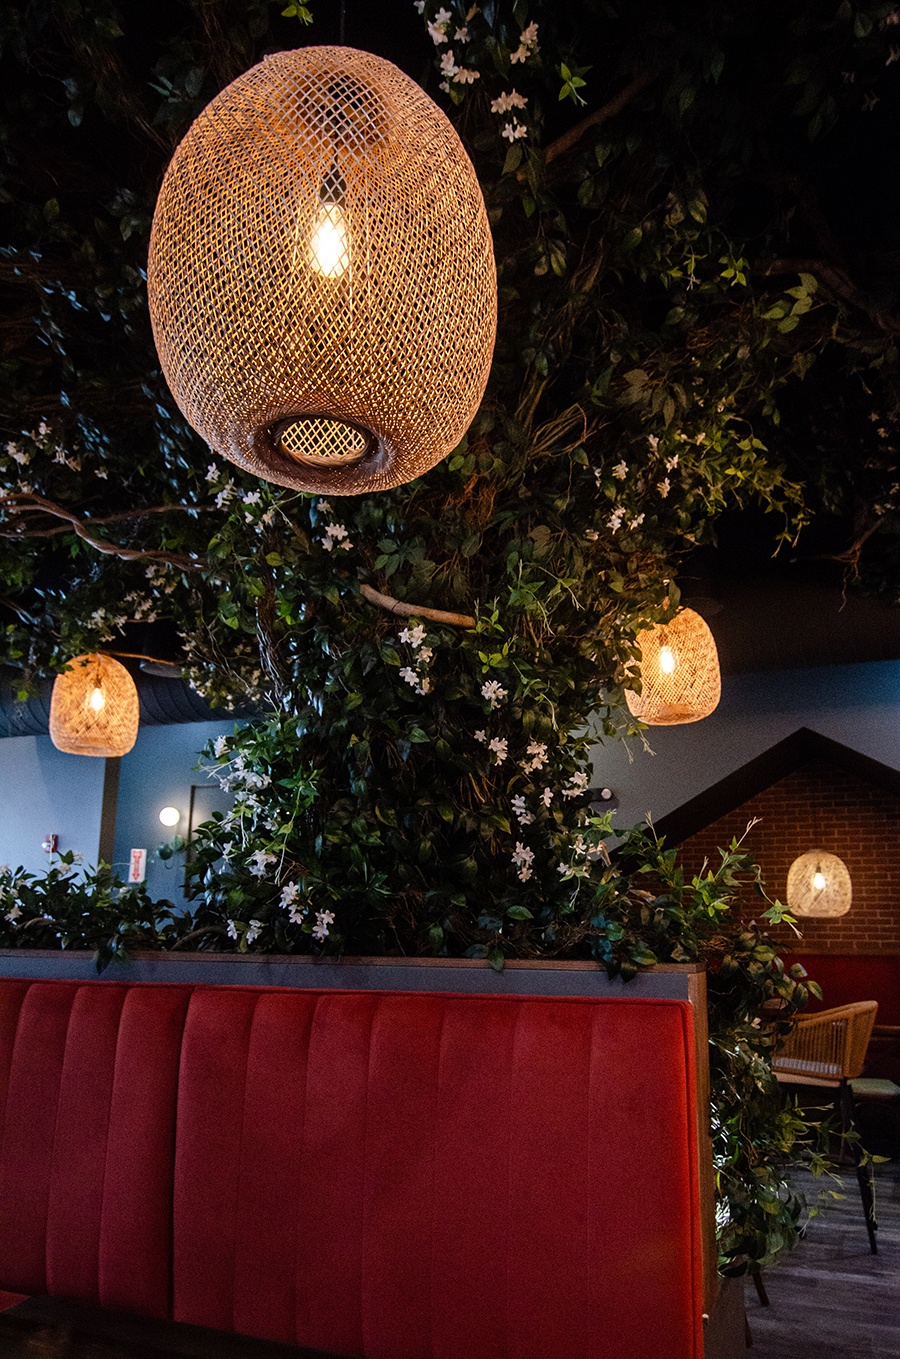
170	816
818	885
321	277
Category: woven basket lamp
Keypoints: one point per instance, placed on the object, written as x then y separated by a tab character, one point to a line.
94	708
321	277
819	884
680	680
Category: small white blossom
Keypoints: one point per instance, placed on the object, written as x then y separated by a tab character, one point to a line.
449	67
414	636
499	745
462	35
615	519
323	920
464	75
523	858
335	533
261	860
13	914
591	535
576	785
253	930
636	521
437	33
504	102
514	132
547	796
252	498
212	472
323	506
101	472
226	493
664	487
672	463
620	471
481	736
494	692
538	753
411	676
522	814
419	5
232	929
425	655
289	894
653	441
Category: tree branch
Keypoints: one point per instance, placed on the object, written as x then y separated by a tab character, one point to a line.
21	503
397	606
601	115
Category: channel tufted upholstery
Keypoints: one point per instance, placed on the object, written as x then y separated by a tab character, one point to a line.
396	1176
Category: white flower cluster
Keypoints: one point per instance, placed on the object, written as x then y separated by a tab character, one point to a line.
288	900
577	784
523	815
439	32
335	533
523	858
323	920
537	752
493	691
415	676
513	129
528	45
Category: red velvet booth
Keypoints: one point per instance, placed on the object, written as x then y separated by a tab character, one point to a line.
396	1176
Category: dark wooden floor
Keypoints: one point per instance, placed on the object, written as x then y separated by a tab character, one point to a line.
831	1299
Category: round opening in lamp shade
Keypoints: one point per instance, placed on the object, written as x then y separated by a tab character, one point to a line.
94	708
680	678
321	277
818	885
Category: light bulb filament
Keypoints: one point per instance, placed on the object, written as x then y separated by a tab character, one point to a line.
329	247
666	660
96	700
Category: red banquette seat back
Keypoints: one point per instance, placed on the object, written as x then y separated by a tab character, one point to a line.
396	1176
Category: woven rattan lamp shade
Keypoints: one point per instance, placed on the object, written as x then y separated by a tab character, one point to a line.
94	708
321	278
680	680
819	885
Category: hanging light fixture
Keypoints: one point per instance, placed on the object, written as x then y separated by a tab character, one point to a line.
94	708
819	885
680	679
321	277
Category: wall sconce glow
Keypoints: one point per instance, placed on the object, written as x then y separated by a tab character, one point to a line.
321	278
819	885
680	679
170	816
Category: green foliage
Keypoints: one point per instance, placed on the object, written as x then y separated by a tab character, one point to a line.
71	908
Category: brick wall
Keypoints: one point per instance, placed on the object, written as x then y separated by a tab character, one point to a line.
822	807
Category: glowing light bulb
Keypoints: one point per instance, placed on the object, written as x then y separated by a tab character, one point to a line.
329	247
818	880
170	816
96	700
666	660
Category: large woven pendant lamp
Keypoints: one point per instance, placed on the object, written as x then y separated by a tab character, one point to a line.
819	885
321	277
680	679
94	708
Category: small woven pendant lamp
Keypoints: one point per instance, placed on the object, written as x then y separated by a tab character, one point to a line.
321	277
680	680
819	884
94	708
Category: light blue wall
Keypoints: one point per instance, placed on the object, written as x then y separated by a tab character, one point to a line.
857	705
43	791
159	773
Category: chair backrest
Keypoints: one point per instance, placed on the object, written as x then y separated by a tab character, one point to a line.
373	1174
829	1046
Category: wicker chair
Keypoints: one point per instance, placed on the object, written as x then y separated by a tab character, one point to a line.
828	1050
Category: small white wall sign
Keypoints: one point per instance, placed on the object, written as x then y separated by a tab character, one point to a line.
137	868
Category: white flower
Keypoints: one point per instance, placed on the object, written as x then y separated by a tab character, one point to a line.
252	498
523	857
437	33
323	920
576	785
504	102
323	506
672	462
521	54
253	930
591	535
538	752
289	894
636	521
411	676
528	36
425	655
227	491
420	5
494	692
514	132
620	471
563	868
481	736
296	914
462	35
615	519
220	745
464	76
449	67
414	636
653	441
523	815
425	686
547	796
443	16
232	929
261	859
212	472
101	472
18	454
13	913
664	487
499	745
335	533
254	780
